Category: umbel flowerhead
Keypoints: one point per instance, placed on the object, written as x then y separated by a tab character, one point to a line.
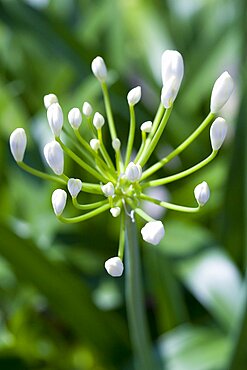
121	184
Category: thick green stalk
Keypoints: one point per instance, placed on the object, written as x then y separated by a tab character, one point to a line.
142	349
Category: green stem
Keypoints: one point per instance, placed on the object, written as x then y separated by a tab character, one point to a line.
108	111
104	151
89	205
88	215
154	141
177	176
121	235
87	187
42	175
182	146
139	335
144	135
131	135
167	205
81	163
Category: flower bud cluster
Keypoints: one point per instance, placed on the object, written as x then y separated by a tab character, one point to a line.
121	184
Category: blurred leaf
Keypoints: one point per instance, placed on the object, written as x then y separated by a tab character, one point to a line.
215	281
193	348
67	295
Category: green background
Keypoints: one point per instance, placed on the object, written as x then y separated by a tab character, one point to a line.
59	310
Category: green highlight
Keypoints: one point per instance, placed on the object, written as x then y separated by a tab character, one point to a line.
89	205
170	206
131	135
62	179
84	217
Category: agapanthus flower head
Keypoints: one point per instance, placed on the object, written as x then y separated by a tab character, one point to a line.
122	177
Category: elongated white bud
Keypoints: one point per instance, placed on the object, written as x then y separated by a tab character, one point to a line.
75	118
99	69
18	143
202	193
218	132
54	157
153	232
58	199
222	90
169	92
108	189
87	109
114	266
49	100
74	187
133	172
116	144
115	211
172	70
55	118
95	144
134	95
98	120
146	126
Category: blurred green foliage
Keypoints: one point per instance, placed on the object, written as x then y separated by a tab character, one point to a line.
58	308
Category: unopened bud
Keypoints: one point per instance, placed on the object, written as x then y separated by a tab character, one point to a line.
133	172
18	143
54	157
153	232
95	144
218	132
49	100
172	65
58	199
75	118
114	266
222	90
98	120
115	211
55	118
99	69
146	126
108	189
116	144
87	109
134	95
202	193
74	187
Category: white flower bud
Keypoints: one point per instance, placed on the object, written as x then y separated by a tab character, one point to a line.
55	118
172	70
74	187
99	69
218	132
134	95
202	193
54	157
133	172
146	126
87	109
18	143
49	100
115	211
58	200
75	118
95	144
108	189
222	90
153	232
98	120
116	144
114	266
169	92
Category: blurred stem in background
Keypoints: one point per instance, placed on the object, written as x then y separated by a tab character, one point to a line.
141	343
